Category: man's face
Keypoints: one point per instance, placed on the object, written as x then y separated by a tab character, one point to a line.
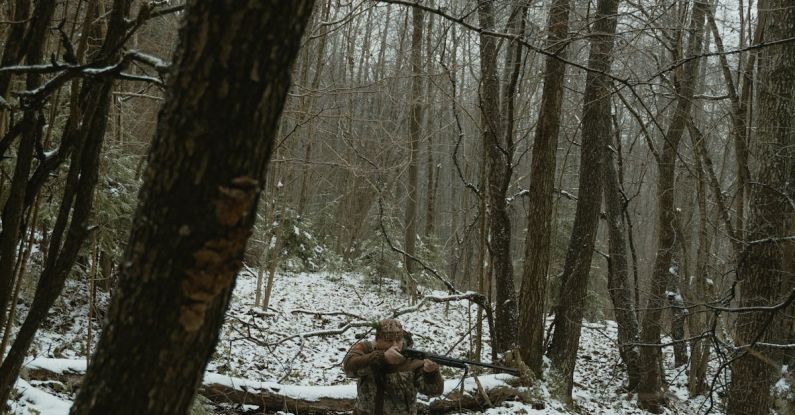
387	340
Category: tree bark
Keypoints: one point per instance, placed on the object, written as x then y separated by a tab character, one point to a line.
432	172
760	267
415	124
542	180
596	133
13	50
499	152
618	271
673	293
698	319
197	206
649	390
78	195
31	131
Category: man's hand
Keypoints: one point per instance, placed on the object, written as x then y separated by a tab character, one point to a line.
429	366
393	356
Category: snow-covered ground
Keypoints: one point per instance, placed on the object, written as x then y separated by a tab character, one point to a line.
278	347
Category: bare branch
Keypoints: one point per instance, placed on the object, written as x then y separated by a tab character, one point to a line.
392	246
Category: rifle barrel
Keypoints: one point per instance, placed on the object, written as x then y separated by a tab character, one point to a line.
453	362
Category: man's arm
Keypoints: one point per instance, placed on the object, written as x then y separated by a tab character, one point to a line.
429	383
360	357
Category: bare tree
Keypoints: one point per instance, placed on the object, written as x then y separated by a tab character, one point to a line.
761	264
542	178
596	133
649	395
29	130
75	210
415	123
618	267
197	204
497	135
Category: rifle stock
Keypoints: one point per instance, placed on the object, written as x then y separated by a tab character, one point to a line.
453	362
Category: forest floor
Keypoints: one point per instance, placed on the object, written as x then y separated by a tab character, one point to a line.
280	345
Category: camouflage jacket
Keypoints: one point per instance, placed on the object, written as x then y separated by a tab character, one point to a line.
400	383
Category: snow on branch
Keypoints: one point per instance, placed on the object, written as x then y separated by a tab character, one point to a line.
327	313
470	295
790	238
772	308
359	321
319	333
65	72
158	64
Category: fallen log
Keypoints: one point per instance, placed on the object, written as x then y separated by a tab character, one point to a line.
340	398
270	396
490	390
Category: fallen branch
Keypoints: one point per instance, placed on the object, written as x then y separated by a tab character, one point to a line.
327	313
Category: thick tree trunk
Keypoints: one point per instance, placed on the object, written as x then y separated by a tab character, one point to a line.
649	391
542	180
761	263
498	166
197	206
596	133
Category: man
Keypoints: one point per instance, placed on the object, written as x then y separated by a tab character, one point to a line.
387	382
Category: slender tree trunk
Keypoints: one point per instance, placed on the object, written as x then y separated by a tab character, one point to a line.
13	211
307	107
723	208
481	266
649	391
432	175
77	202
739	108
276	244
761	263
618	271
415	124
13	50
25	249
699	349
31	132
542	181
674	295
187	241
596	133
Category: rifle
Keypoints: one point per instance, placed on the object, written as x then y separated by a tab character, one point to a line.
453	362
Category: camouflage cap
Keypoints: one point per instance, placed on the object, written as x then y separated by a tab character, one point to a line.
389	329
